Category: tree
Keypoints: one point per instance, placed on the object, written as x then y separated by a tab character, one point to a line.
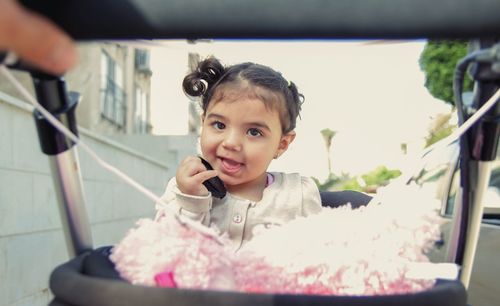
371	181
441	128
331	180
327	137
438	61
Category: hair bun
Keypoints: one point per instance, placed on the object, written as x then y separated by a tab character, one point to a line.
208	72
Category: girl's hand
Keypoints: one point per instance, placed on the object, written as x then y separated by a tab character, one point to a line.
190	176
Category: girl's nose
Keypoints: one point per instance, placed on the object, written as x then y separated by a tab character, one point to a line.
232	141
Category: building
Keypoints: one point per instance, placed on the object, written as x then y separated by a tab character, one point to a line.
114	81
114	117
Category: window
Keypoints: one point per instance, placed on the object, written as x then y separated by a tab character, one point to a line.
491	196
142	61
113	107
141	109
437	170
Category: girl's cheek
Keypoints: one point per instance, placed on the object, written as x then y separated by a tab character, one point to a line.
208	145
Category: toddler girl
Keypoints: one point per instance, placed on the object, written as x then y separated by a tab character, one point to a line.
248	119
249	114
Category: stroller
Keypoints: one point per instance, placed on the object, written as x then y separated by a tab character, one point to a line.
89	278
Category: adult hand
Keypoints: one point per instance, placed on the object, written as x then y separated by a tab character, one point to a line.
190	176
35	38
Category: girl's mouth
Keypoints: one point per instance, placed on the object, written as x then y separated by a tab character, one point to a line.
230	166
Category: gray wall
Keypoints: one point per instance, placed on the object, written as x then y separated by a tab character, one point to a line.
31	239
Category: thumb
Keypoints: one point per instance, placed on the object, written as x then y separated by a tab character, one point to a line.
35	38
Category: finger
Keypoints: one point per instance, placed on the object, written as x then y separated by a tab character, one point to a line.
191	160
193	168
35	39
205	175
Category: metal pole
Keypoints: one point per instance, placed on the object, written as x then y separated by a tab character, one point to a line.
69	189
52	95
476	216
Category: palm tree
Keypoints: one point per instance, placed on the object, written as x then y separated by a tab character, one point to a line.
328	135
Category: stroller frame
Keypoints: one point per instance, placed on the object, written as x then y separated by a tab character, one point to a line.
314	19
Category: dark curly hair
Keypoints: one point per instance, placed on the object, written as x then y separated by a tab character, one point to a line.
211	81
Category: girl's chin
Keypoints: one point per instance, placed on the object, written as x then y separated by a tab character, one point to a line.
232	181
229	180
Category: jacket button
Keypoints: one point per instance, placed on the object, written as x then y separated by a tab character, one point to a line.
237	218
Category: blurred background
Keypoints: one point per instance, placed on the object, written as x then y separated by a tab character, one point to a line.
370	109
367	112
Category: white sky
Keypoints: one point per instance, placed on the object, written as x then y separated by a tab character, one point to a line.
372	94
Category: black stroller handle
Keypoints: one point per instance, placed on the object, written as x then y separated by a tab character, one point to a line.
192	19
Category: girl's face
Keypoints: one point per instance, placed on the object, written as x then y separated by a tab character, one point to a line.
240	138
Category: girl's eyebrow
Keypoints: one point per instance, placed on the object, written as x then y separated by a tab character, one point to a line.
260	124
216	116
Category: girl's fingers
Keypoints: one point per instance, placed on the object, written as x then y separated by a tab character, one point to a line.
193	168
192	165
189	159
194	184
191	175
205	175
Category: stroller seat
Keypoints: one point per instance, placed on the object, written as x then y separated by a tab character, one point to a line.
91	280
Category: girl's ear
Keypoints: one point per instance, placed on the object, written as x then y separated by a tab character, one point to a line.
285	141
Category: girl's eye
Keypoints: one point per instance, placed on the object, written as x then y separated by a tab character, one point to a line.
254	132
218	125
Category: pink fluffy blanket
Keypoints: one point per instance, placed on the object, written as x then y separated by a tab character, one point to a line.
373	250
